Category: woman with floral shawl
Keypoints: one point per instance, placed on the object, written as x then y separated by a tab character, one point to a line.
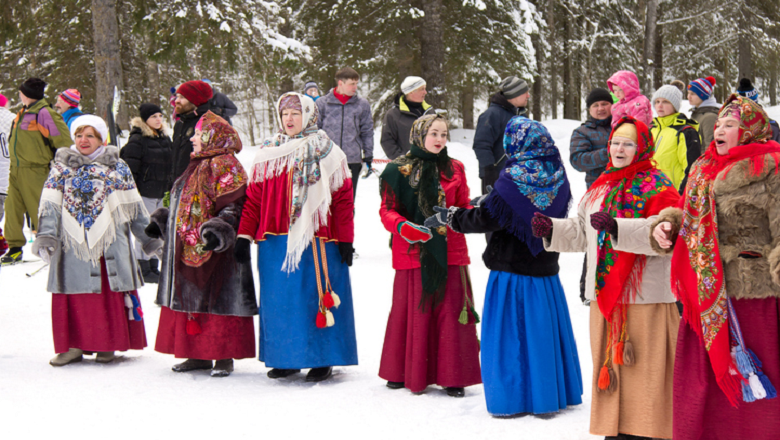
207	297
299	211
89	207
529	356
725	239
633	316
431	333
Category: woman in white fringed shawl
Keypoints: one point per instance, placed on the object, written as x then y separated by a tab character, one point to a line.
89	207
299	210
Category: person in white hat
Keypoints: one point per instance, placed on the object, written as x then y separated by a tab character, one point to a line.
408	106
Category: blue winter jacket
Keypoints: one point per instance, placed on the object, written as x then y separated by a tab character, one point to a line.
348	125
588	148
489	136
71	114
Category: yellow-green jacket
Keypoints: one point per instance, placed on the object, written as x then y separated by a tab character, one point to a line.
677	146
36	133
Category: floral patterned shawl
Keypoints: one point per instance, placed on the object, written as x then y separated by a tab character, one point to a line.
213	174
319	168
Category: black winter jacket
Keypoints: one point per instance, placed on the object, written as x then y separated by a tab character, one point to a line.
397	125
182	132
504	251
149	157
489	136
222	106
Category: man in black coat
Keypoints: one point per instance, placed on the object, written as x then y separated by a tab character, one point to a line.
408	106
220	104
192	102
489	136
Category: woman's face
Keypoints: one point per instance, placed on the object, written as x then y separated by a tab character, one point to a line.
726	134
436	139
622	151
87	141
663	107
619	93
292	121
197	144
155	121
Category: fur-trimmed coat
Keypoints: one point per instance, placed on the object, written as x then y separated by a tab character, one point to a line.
149	156
748	213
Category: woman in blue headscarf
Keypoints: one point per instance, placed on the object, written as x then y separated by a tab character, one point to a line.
529	357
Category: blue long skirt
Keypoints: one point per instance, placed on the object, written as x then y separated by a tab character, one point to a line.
529	356
289	337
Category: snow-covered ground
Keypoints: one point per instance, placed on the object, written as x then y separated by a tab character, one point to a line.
138	396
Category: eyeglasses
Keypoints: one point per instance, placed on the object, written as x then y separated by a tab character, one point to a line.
617	144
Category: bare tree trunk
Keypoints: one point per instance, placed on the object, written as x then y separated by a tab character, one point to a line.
650	45
467	105
744	49
108	62
152	76
773	78
658	61
432	53
536	88
553	58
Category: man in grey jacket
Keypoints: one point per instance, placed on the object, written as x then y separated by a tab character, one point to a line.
346	118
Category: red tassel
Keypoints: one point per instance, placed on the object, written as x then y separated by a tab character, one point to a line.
604	378
618	356
327	300
322	320
193	328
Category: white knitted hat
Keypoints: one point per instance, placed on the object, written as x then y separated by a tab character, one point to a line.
93	121
671	94
411	83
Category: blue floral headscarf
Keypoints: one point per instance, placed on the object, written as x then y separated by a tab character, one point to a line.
534	180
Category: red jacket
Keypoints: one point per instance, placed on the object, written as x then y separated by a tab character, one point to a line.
407	256
267	211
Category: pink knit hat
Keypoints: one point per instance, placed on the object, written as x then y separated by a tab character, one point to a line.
71	97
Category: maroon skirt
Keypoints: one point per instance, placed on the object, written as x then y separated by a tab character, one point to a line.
431	347
701	410
95	321
220	337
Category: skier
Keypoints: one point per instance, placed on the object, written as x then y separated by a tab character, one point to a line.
633	316
299	210
148	154
431	333
89	208
723	237
529	356
207	297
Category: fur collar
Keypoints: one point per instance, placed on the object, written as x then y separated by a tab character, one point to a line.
74	159
146	130
740	176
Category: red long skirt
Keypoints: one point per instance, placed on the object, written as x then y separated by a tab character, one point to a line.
701	410
95	321
431	347
221	337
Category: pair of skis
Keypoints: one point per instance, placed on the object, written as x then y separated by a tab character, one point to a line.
33	273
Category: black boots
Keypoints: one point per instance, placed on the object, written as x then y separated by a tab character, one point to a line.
146	271
277	373
319	374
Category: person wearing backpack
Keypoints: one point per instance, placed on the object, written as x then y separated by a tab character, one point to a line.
676	137
704	108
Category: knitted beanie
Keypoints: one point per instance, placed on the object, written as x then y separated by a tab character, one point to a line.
196	92
3	100
147	110
747	90
702	87
93	121
309	85
597	95
71	97
671	94
512	87
411	83
33	88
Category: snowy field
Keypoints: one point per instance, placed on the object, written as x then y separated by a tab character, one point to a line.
138	396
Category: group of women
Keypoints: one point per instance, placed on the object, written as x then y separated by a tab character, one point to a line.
716	248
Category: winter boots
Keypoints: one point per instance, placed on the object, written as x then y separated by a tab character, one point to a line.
69	357
222	368
319	374
277	373
146	271
192	364
13	256
395	385
104	357
455	392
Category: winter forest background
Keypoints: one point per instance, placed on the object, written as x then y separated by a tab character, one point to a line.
253	50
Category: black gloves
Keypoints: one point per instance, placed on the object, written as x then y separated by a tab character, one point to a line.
241	251
477	201
346	250
153	230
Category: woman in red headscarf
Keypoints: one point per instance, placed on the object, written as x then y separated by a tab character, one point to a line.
633	316
725	240
207	297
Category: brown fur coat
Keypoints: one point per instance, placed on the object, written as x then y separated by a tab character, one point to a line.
748	213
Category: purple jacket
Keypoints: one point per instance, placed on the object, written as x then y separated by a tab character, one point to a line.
348	125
